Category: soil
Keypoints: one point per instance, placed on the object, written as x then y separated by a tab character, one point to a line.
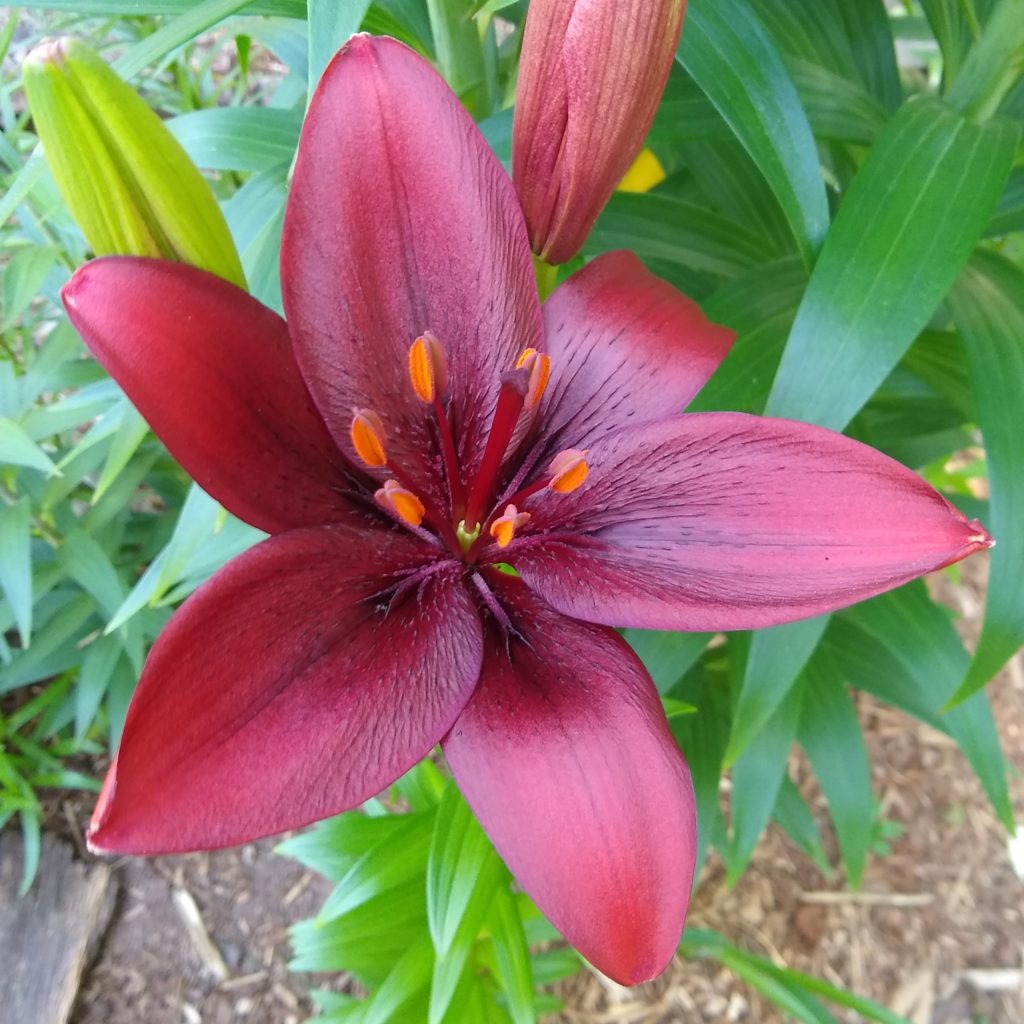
936	932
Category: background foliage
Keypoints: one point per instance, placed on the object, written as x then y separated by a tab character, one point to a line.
845	188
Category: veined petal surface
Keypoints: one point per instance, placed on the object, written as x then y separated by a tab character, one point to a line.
722	521
564	754
400	221
212	372
625	347
289	688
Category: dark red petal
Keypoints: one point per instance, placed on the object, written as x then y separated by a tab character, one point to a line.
288	689
400	221
211	370
565	756
625	347
724	521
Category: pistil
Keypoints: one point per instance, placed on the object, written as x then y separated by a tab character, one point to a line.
515	386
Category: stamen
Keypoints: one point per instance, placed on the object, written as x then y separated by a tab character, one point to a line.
428	367
368	438
503	529
568	470
396	498
538	365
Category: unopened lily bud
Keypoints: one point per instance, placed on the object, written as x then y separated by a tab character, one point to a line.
590	80
130	186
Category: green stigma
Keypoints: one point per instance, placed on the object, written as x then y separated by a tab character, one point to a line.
466	537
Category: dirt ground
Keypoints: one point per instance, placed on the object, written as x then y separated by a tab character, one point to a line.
936	933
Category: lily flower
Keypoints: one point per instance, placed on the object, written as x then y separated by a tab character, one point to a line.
591	77
416	427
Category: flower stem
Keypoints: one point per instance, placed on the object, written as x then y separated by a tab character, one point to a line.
547	277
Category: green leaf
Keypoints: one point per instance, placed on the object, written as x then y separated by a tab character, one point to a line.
794	817
18	449
757	778
732	57
993	65
666	656
331	23
23	278
760	306
85	561
1009	215
660	227
839	109
789	997
98	663
16	563
777	657
870	36
988	307
409	977
465	56
702	738
331	847
238	138
952	32
459	851
798	980
105	8
195	18
831	736
903	232
366	941
450	968
512	955
391	863
918	634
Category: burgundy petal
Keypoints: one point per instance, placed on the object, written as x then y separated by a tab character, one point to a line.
724	521
625	347
289	688
212	371
400	221
565	756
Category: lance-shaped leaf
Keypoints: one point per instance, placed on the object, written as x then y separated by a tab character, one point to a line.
906	227
988	306
128	182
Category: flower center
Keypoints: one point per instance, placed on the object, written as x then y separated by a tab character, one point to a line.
521	391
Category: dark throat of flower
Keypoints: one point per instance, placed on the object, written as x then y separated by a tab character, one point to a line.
474	519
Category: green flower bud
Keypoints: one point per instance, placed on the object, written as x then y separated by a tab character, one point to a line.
129	184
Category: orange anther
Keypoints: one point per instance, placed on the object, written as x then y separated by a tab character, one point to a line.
568	470
428	367
503	529
539	367
394	497
368	438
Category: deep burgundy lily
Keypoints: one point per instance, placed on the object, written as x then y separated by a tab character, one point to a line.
419	425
